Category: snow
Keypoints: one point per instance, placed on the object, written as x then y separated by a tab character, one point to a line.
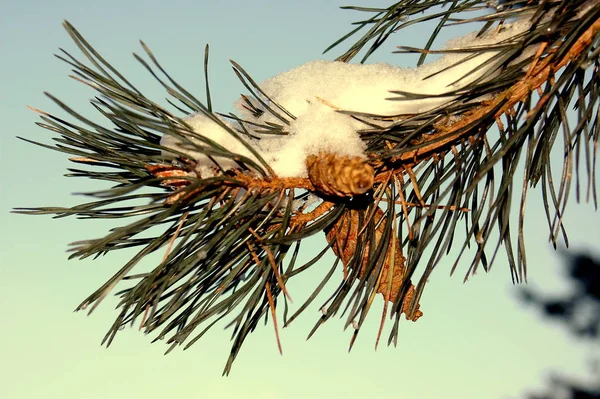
315	91
319	128
203	125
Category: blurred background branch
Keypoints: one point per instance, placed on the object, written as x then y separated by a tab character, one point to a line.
579	312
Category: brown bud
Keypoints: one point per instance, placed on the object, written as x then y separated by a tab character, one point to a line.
339	175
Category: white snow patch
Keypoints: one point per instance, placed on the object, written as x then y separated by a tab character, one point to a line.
204	126
318	129
314	91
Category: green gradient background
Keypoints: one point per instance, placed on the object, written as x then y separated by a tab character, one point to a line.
474	341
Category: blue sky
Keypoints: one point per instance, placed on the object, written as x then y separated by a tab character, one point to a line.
474	341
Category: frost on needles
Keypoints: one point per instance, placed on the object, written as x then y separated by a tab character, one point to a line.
315	92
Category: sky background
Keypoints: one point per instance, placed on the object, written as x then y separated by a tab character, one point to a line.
475	340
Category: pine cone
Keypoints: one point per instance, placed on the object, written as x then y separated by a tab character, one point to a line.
344	235
338	175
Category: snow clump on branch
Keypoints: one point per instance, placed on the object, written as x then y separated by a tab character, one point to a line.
314	93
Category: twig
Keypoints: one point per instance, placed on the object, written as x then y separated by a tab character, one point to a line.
503	102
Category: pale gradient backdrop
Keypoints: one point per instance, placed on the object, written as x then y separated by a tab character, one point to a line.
474	341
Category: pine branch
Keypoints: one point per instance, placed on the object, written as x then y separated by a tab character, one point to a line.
226	220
